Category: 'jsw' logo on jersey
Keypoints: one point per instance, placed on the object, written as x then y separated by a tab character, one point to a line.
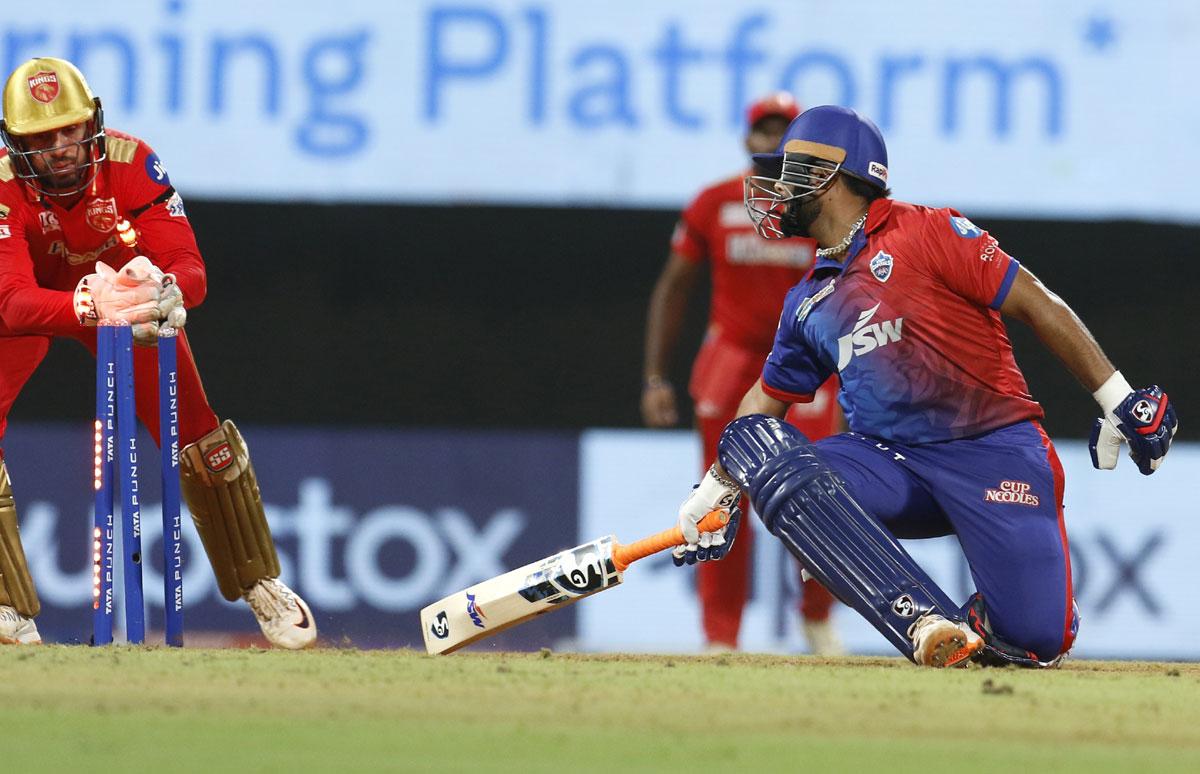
865	338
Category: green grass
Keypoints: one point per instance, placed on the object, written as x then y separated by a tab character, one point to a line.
77	709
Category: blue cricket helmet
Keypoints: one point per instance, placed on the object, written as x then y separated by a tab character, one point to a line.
833	134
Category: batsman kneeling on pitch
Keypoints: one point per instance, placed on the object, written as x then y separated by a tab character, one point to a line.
905	304
75	202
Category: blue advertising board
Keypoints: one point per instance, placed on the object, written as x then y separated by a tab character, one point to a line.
370	526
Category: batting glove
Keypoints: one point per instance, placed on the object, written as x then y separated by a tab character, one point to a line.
719	543
1145	419
713	492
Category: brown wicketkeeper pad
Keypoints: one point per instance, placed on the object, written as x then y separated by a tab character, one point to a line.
219	486
16	584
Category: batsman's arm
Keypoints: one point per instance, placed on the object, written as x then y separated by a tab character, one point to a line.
1059	328
664	319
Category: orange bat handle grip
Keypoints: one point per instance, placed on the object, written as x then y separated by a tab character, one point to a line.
623	556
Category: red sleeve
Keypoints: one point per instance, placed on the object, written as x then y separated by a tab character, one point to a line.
164	234
967	258
24	306
690	238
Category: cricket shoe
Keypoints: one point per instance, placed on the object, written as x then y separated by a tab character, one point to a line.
16	629
285	619
940	642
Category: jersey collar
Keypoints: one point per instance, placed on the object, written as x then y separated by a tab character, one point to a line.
877	215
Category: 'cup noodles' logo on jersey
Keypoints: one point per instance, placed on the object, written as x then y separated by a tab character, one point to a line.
219	457
1011	493
44	86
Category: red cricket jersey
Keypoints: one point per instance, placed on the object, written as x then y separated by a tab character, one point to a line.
45	249
750	275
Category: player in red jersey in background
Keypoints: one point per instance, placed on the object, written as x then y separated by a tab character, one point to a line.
750	277
65	185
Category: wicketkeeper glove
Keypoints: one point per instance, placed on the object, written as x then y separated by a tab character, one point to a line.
140	293
713	492
1145	419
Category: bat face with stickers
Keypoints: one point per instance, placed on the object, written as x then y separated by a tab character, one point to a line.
491	606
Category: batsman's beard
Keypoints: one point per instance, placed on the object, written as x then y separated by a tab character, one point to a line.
799	216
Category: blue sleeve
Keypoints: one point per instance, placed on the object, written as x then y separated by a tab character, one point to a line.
793	372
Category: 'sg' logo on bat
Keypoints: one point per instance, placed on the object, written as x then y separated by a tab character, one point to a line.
440	627
582	580
572	574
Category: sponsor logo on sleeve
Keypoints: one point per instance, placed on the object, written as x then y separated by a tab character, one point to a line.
881	266
5	232
102	214
43	86
965	228
156	171
175	206
989	249
49	221
1011	493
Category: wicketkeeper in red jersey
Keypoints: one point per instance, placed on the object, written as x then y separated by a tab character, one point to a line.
66	184
750	277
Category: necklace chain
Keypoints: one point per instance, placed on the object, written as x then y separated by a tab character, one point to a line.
840	247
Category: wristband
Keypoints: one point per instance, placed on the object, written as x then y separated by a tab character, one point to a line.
1112	392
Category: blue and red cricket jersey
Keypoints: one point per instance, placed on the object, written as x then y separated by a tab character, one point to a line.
945	434
910	325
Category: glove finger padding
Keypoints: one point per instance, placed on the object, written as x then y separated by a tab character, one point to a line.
1105	444
723	540
139	271
145	334
170	306
710	546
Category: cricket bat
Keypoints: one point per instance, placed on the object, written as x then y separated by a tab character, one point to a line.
552	583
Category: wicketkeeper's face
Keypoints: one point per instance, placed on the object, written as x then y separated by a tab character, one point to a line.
59	156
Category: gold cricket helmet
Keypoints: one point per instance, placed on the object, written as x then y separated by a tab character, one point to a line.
42	95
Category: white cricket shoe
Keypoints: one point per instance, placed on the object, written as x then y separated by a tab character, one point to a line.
939	642
285	619
16	629
822	638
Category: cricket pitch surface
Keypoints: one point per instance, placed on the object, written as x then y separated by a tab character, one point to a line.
73	708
